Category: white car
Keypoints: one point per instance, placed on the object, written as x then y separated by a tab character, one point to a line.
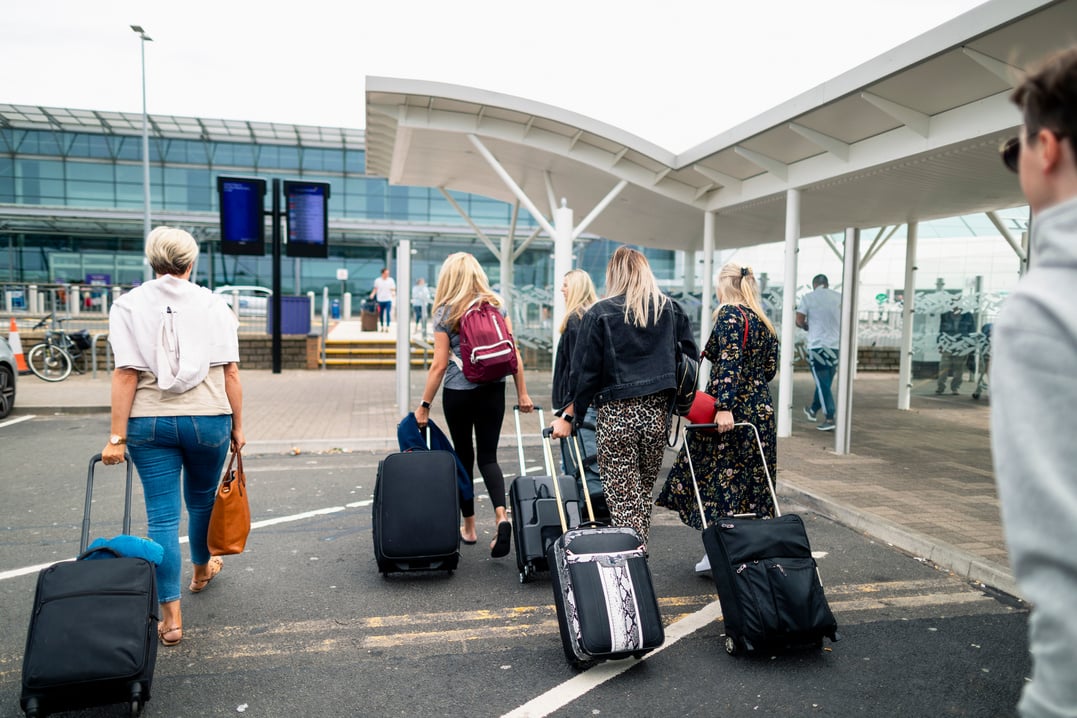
8	372
253	300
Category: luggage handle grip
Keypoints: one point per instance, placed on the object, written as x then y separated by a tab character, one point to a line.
519	433
94	460
692	471
547	455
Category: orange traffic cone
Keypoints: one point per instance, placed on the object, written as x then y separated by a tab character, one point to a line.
16	348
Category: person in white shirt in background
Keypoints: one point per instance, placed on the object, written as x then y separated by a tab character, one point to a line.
384	292
420	302
819	314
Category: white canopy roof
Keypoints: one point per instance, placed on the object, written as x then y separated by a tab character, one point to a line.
910	135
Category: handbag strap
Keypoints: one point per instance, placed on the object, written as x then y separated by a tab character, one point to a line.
236	459
744	340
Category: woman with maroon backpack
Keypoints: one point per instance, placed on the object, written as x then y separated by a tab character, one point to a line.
468	313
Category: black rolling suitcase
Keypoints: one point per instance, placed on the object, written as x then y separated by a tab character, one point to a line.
767	580
93	631
536	520
416	512
602	588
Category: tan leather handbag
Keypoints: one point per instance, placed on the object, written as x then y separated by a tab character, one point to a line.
230	522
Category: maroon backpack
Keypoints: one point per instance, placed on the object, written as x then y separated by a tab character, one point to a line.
487	350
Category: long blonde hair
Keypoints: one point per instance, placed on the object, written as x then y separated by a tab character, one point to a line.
461	281
629	273
737	285
580	295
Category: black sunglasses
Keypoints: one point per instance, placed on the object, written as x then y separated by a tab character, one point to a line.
1010	152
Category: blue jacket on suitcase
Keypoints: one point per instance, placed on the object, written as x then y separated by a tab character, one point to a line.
410	437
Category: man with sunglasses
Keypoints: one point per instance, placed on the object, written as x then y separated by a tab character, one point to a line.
1034	394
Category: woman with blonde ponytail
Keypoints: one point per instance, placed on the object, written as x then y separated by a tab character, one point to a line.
743	350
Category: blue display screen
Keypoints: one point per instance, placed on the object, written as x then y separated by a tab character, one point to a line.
307	212
242	203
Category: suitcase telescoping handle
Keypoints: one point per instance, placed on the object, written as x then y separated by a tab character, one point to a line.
520	436
577	454
85	541
547	455
692	470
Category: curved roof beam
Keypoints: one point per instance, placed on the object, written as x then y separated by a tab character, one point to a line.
915	120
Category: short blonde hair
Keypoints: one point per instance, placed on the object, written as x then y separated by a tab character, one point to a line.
171	250
460	282
580	295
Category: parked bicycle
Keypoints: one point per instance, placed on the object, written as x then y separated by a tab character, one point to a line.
61	353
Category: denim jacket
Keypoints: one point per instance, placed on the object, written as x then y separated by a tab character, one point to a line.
617	360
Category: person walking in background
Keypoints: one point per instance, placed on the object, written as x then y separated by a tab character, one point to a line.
384	292
470	409
177	406
743	350
579	293
624	363
819	314
1034	397
956	345
420	302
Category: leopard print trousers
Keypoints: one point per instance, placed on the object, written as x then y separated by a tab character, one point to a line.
631	440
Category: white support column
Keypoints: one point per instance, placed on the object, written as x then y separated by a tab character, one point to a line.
708	279
562	263
688	261
403	326
907	310
505	277
789	299
850	281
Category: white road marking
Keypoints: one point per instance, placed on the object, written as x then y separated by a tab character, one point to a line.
20	419
15	572
563	694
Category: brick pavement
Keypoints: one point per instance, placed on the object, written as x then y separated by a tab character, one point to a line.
920	479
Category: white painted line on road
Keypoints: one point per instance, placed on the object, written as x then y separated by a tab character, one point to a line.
16	572
560	696
20	419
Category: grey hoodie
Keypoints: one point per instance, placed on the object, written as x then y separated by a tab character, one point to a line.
1033	430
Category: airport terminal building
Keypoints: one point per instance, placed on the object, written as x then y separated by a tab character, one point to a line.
71	203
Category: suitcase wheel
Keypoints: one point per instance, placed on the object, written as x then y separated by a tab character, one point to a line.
730	646
527	573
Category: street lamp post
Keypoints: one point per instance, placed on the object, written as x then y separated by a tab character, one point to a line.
145	145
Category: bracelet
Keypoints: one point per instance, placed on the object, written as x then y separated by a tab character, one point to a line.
425	404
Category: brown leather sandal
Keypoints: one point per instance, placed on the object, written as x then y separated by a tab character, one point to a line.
162	631
199	584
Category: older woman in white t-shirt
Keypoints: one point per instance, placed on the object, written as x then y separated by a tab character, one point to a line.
176	406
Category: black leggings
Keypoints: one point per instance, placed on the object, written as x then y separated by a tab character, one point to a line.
481	410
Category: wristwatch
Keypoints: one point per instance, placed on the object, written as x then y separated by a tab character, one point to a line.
424	404
116	440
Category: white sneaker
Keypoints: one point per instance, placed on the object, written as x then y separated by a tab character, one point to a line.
704	566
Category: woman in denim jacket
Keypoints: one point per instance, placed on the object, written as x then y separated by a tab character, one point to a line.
624	363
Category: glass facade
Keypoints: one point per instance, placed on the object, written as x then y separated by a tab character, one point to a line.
102	171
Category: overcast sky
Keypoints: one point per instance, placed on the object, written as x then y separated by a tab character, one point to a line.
675	72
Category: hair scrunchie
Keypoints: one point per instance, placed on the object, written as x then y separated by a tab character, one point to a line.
745	271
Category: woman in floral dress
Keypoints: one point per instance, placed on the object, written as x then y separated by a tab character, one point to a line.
743	350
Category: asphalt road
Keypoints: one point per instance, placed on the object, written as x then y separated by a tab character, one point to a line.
303	624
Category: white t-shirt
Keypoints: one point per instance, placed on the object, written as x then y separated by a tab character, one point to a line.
384	288
822	308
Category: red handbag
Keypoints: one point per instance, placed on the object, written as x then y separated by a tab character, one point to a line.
702	411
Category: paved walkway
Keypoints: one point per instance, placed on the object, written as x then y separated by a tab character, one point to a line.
920	479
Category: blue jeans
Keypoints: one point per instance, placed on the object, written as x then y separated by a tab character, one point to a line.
385	310
824	364
590	451
162	447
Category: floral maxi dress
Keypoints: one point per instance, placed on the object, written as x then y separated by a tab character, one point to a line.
730	473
